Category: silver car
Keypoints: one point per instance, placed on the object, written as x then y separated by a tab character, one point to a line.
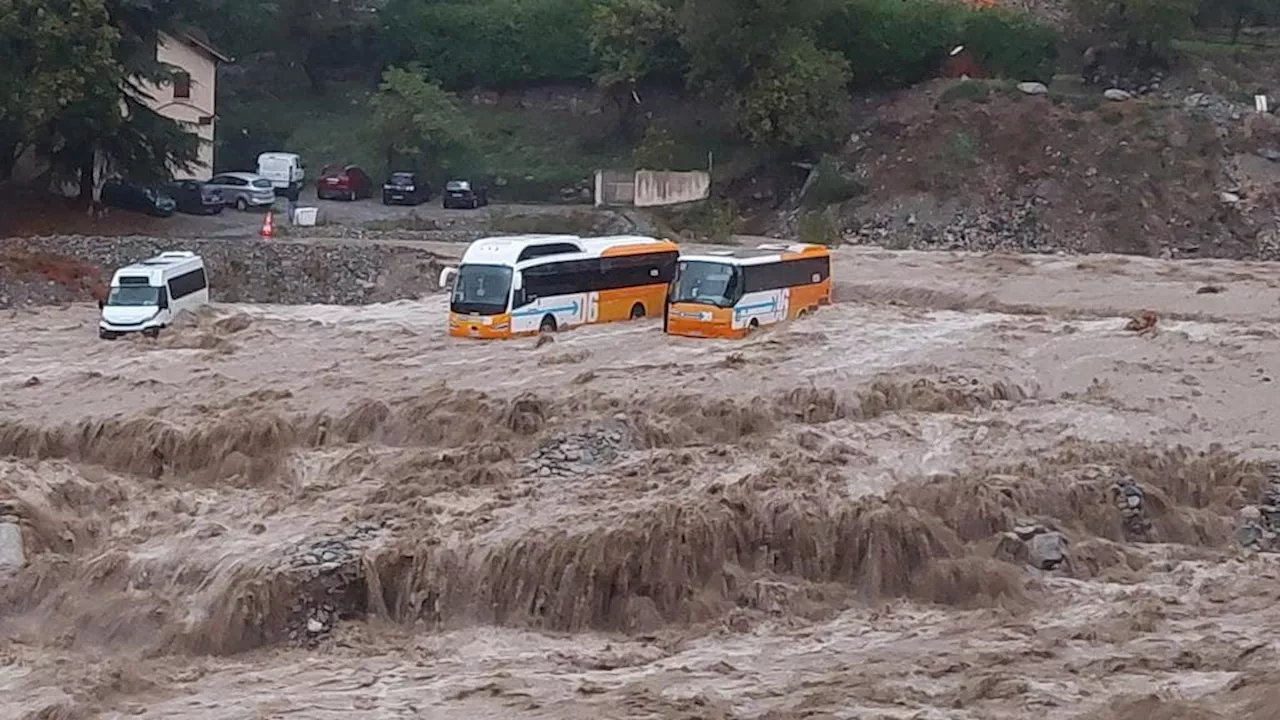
244	190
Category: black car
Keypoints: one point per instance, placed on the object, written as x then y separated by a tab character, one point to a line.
195	198
405	188
138	197
461	194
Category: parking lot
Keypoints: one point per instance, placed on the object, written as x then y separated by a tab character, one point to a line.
368	214
24	215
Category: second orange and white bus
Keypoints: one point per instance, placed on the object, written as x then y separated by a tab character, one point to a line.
528	284
729	293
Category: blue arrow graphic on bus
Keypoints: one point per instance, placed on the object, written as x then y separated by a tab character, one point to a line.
572	307
772	305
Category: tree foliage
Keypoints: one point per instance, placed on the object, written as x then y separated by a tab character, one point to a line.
417	121
894	43
77	73
1235	15
491	43
797	98
1141	25
634	40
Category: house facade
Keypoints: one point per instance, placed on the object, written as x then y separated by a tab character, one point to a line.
192	97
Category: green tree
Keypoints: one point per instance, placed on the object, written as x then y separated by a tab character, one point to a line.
56	55
417	121
112	123
728	40
1145	27
631	41
797	99
1237	14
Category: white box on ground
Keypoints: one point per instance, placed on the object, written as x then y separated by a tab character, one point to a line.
305	216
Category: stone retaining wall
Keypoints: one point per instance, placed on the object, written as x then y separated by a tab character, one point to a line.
274	271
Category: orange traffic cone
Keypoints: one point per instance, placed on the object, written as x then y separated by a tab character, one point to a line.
266	230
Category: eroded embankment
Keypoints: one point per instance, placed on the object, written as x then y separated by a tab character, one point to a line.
51	270
788	537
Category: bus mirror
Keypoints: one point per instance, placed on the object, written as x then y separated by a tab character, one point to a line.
517	282
446	276
101	303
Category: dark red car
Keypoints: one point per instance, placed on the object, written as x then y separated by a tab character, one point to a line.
344	182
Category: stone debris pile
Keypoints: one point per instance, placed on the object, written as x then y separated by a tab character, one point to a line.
335	550
1260	525
1129	500
575	454
327	568
1034	544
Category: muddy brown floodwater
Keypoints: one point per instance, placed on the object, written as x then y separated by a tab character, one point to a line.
965	491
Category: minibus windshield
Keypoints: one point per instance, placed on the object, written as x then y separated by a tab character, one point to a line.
134	296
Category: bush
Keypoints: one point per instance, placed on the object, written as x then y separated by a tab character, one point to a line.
656	151
797	99
492	43
831	186
817	228
1009	45
973	90
896	43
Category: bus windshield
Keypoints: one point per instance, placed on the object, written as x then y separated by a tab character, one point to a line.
481	289
706	283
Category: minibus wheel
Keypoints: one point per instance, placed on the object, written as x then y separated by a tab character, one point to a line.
637	311
548	324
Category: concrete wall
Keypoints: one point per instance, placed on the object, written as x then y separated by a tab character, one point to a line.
615	188
655	187
650	188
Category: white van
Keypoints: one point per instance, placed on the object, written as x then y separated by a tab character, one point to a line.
284	170
146	296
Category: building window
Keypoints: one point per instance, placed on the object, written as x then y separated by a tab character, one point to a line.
181	86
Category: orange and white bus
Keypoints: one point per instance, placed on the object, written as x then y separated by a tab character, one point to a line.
729	293
530	284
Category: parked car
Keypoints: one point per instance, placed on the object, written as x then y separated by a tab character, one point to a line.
344	182
138	197
405	188
285	171
461	194
195	198
244	190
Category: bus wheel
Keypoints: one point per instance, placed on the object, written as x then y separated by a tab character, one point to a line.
151	332
548	324
802	313
753	326
637	311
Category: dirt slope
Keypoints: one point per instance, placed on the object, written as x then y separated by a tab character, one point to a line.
987	167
